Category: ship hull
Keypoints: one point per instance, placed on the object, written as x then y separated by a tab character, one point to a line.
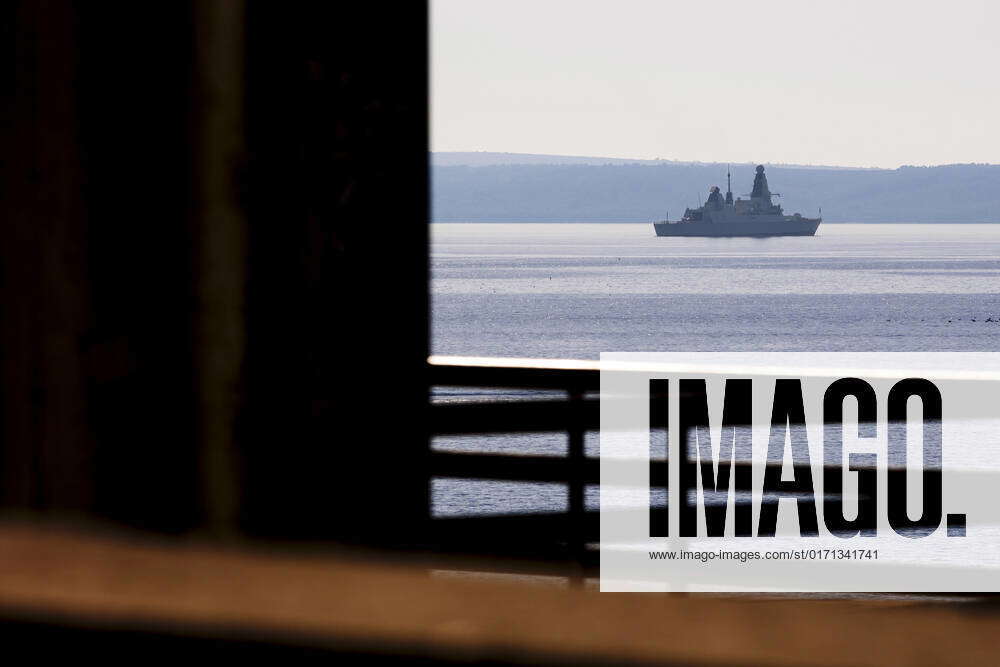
779	226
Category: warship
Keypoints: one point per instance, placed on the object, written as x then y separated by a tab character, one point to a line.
756	216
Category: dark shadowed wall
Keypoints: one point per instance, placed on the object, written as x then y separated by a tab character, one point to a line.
213	306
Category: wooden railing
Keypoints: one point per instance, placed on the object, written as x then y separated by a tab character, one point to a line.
558	539
568	402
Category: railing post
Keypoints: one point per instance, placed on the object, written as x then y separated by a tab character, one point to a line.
577	487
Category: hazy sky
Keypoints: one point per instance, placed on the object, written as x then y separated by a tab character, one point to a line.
847	82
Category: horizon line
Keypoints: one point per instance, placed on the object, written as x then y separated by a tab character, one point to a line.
717	162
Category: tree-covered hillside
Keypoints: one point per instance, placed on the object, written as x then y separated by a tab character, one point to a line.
642	192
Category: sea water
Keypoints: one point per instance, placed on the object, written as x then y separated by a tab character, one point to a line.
576	290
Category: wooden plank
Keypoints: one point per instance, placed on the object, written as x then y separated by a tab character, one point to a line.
376	607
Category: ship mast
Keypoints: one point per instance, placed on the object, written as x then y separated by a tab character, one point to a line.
729	187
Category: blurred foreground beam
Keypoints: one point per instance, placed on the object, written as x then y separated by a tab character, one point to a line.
220	261
162	590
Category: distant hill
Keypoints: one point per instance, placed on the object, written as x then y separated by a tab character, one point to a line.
487	159
526	188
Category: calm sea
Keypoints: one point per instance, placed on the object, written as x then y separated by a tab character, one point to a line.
576	290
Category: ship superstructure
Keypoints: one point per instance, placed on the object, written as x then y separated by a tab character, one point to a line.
724	216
